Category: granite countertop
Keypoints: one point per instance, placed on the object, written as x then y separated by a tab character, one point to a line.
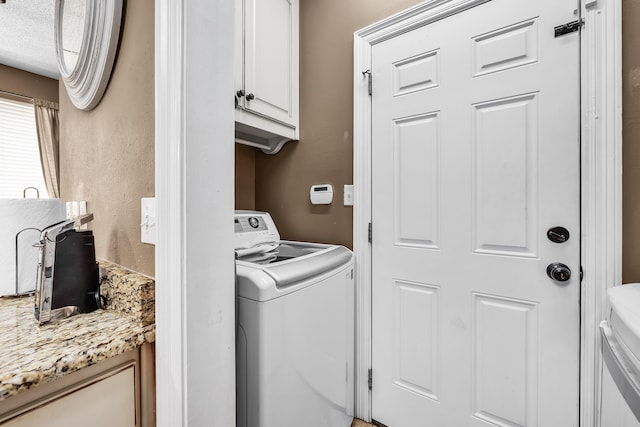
32	354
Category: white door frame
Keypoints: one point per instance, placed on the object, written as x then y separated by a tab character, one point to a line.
601	179
194	151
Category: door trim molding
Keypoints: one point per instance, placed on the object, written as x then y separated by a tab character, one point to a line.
601	216
195	321
169	183
601	146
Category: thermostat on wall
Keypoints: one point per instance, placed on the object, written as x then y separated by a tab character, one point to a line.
321	194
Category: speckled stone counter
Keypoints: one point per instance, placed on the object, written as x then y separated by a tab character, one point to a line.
128	292
32	355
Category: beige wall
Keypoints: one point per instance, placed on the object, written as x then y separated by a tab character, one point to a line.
107	154
245	177
324	153
28	84
631	140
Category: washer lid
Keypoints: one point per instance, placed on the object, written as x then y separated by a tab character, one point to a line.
297	266
625	315
304	267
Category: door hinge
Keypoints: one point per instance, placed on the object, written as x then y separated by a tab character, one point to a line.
370	78
370	234
370	379
581	273
569	27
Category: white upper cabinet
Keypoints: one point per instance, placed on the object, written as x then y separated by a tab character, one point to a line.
266	73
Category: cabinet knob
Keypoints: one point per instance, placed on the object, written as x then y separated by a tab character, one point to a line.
240	93
250	97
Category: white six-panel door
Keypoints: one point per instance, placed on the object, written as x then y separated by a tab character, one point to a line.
475	156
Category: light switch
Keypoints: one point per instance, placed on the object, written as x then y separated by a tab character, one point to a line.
348	195
148	227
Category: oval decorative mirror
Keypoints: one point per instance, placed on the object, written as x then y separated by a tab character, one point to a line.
86	35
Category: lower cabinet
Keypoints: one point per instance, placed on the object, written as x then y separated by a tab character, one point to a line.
110	402
114	393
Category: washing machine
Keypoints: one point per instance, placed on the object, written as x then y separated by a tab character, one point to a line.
621	346
295	329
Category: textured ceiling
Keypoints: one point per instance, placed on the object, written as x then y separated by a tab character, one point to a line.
27	36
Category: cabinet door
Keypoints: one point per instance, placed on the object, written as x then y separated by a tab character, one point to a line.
110	402
271	58
238	49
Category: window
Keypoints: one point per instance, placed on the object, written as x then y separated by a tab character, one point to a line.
19	153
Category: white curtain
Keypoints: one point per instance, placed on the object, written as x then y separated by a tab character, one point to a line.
48	129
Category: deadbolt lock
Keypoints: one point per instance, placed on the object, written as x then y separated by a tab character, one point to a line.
558	234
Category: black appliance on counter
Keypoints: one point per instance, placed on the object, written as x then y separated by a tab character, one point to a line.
68	279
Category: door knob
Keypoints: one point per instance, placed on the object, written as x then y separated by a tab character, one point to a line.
558	234
558	272
250	97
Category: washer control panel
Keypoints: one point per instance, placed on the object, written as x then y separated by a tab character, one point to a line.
254	228
245	224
